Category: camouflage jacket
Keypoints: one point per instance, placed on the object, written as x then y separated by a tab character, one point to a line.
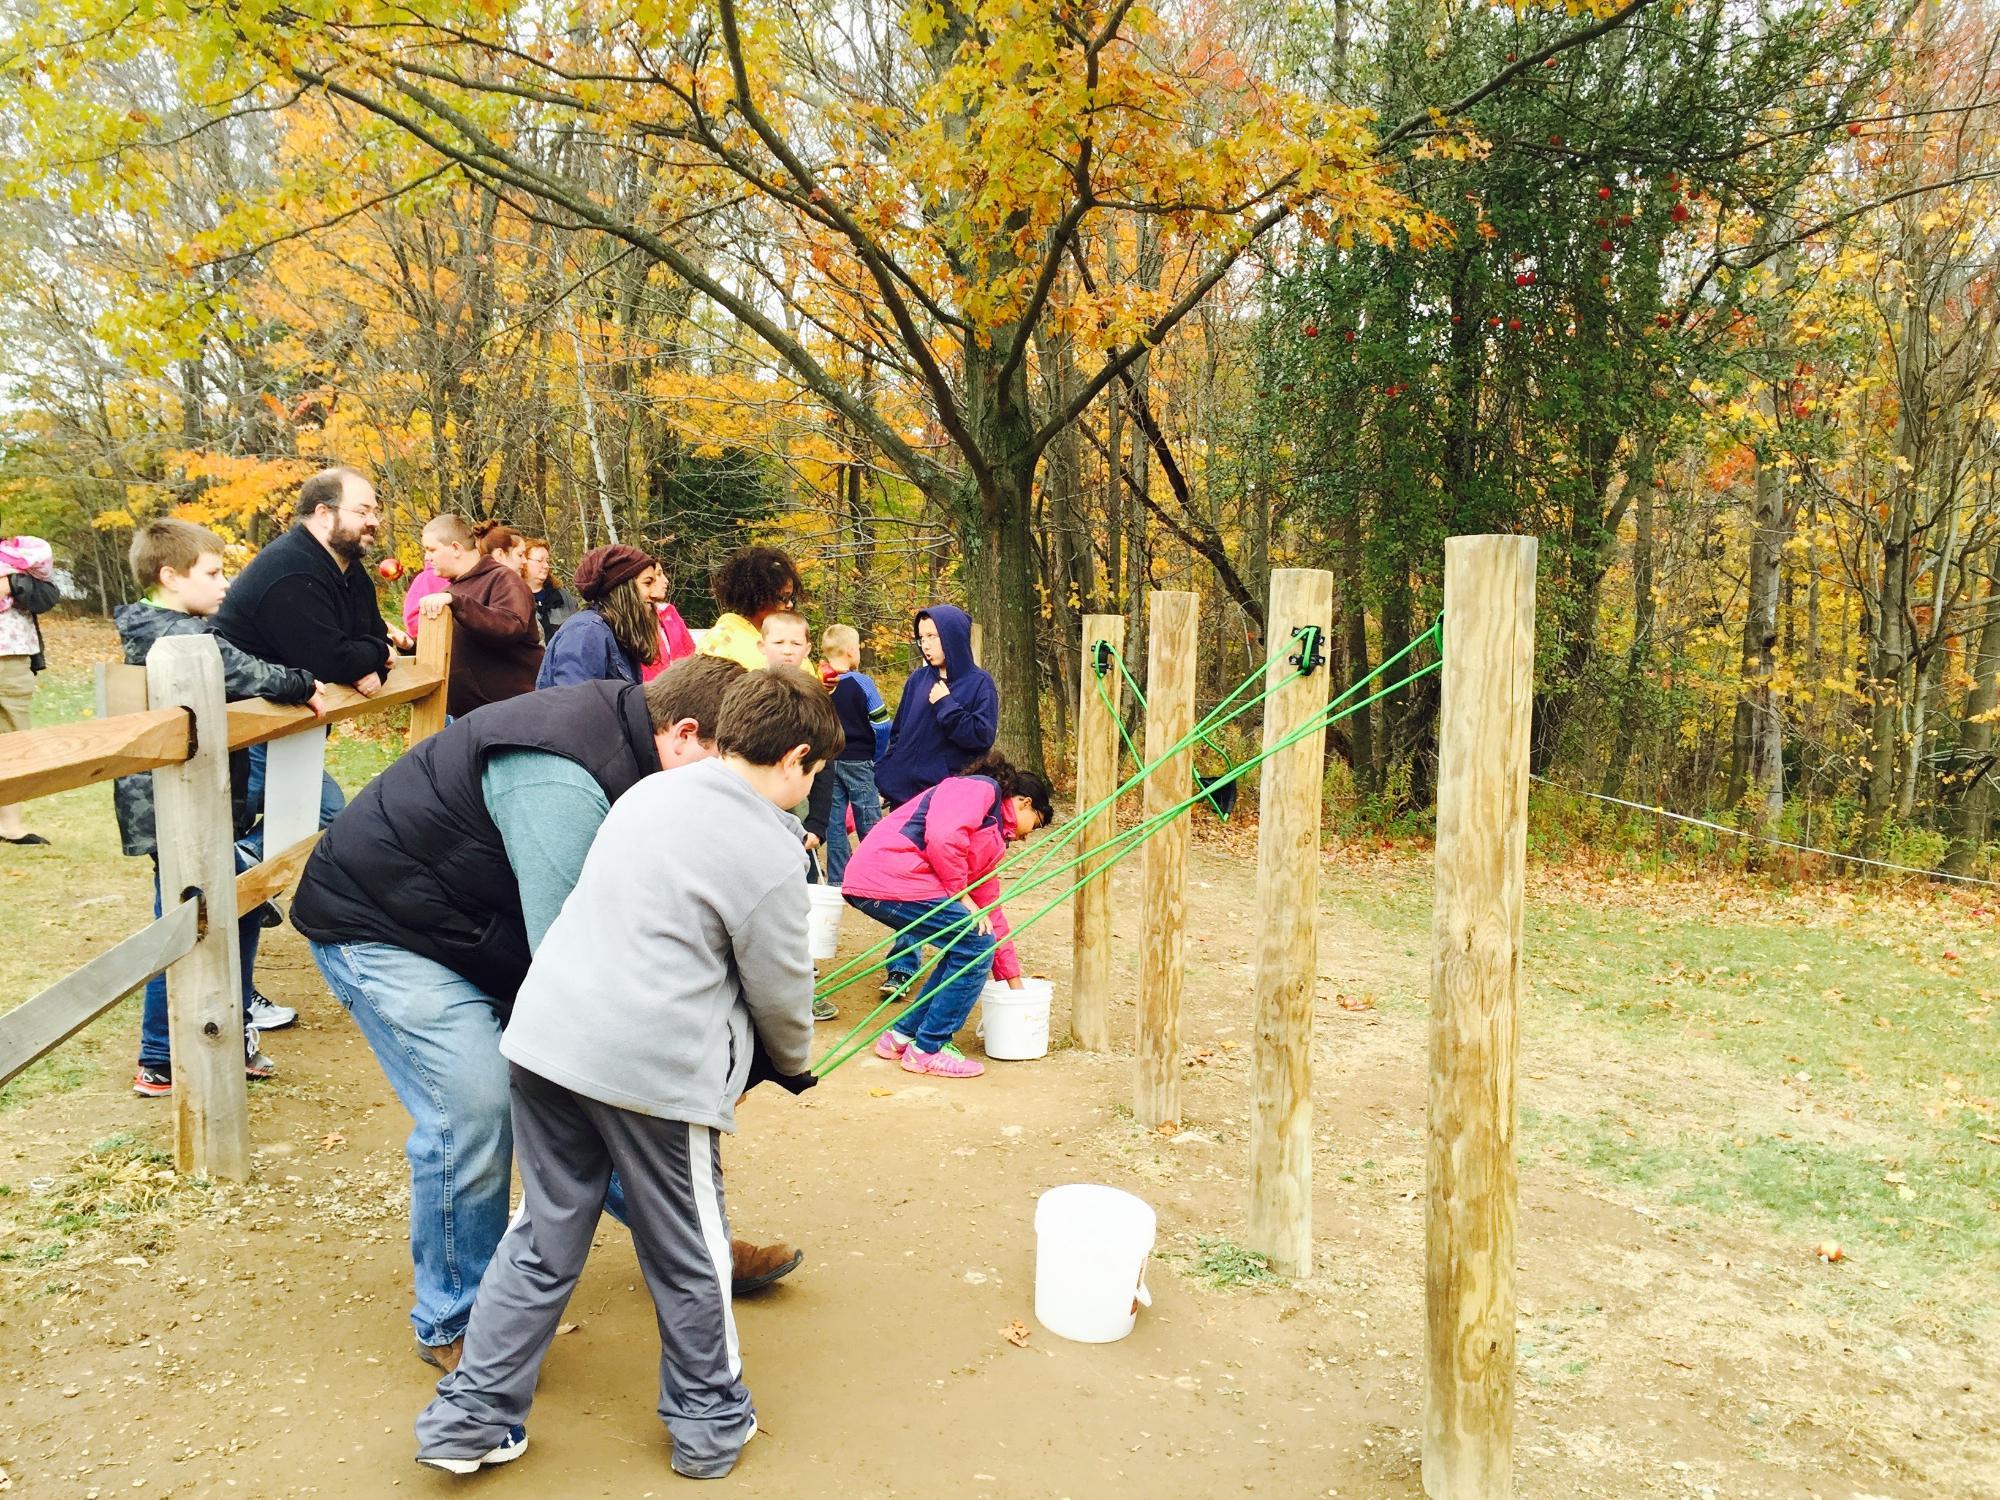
243	676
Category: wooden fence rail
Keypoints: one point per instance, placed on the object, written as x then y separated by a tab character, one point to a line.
169	717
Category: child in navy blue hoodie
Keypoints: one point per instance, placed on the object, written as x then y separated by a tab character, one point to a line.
949	717
864	720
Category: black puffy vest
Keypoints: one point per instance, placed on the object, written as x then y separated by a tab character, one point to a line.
417	861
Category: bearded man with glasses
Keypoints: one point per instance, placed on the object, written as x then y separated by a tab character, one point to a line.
308	600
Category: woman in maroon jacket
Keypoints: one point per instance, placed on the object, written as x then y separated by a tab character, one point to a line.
495	650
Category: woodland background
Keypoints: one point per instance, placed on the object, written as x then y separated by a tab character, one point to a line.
1045	306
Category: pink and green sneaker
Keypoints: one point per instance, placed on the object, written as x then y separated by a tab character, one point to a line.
947	1062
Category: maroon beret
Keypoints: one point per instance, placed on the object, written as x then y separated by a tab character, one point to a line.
604	568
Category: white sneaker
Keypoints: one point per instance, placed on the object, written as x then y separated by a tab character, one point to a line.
268	1015
255	1063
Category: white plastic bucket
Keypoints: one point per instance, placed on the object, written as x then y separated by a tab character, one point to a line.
1014	1024
823	920
1091	1245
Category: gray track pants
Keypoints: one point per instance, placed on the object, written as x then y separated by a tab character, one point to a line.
566	1146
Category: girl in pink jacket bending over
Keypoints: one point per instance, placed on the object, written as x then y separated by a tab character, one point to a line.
921	870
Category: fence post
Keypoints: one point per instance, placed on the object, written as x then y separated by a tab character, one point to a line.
434	638
1471	1176
1170	649
1288	810
195	830
1096	779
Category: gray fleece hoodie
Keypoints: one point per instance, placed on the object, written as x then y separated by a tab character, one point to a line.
686	929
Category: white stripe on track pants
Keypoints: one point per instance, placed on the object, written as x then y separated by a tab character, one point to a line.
566	1147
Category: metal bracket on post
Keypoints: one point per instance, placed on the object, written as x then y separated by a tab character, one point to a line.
1311	655
1100	658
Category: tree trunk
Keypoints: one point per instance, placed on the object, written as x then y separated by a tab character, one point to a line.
1639	653
1972	818
1756	763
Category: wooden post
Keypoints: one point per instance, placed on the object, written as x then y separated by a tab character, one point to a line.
433	655
1170	648
1288	927
978	643
1482	812
1096	779
196	838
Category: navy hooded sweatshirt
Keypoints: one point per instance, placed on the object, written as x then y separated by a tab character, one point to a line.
930	741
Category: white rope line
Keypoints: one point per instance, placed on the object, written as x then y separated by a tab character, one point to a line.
1764	838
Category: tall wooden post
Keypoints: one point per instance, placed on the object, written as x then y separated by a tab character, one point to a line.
1482	812
1288	926
433	655
1170	648
196	838
1096	780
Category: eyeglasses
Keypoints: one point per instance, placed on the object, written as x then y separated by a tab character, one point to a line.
365	512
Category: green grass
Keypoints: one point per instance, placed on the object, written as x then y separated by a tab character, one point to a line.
1808	1061
1223	1263
62	904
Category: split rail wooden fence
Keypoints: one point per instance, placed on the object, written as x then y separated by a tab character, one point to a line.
170	717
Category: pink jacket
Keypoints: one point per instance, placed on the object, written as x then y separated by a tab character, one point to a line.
676	644
946	841
421	587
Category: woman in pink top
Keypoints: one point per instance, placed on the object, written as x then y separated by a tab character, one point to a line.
676	642
921	871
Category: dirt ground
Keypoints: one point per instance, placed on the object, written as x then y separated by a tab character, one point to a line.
260	1346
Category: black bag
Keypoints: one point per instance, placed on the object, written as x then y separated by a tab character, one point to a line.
37	597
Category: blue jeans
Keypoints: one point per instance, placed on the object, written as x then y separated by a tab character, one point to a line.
437	1037
948	995
155	1050
853	786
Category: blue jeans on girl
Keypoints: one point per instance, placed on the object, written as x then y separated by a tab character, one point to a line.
948	994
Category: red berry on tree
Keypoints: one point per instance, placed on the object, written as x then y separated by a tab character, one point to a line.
1604	192
1520	281
1606	246
1679	213
1510	57
1555	140
1311	330
1513	325
1350	335
1550	63
1854	127
1624	221
1663	320
1496	320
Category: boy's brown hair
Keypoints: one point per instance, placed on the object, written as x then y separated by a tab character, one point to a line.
842	638
766	713
167	543
692	689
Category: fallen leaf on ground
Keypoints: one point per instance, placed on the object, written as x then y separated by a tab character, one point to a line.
331	1139
881	1093
1016	1333
1355	1002
562	1328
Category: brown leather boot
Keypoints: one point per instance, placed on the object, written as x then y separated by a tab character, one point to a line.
444	1356
754	1267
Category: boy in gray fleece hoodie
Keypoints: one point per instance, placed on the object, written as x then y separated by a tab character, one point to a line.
680	954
